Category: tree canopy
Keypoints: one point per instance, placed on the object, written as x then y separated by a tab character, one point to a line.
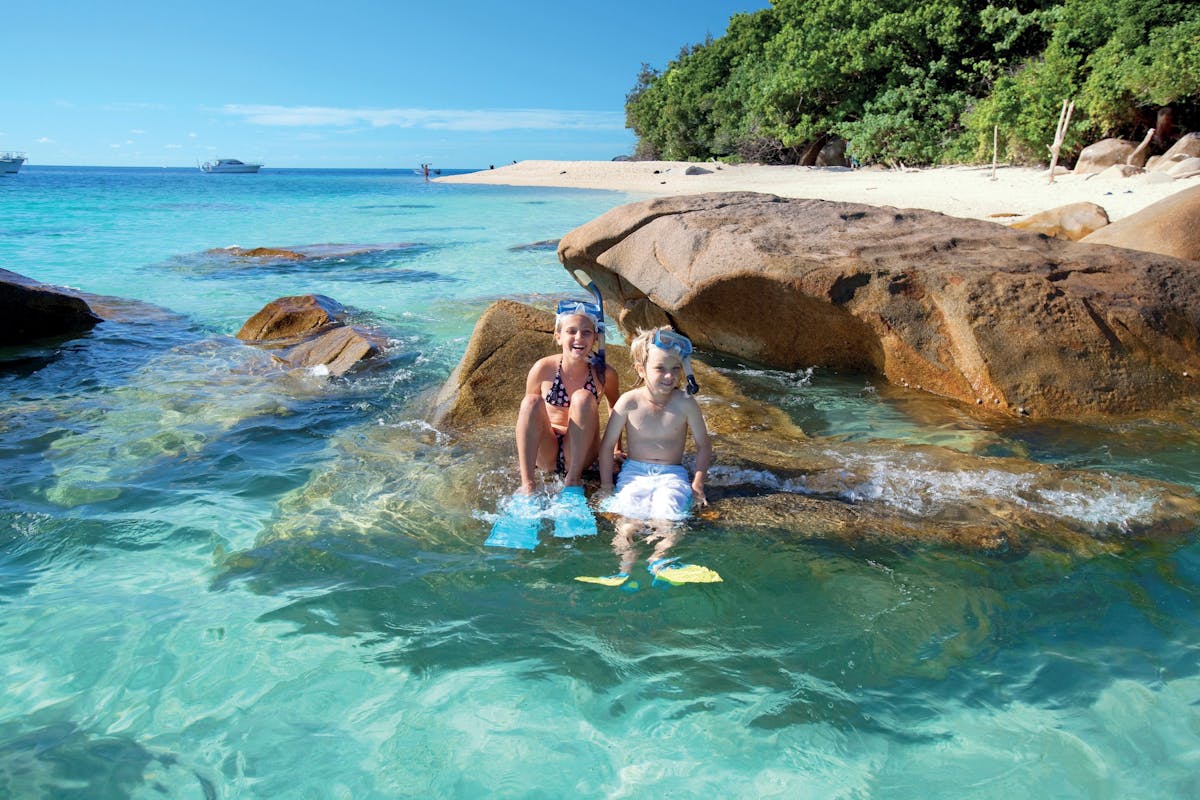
921	81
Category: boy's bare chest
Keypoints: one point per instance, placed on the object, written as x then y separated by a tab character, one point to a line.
654	422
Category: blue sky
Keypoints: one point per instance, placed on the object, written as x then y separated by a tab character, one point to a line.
349	83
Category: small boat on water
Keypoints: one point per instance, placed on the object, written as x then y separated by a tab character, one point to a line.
228	165
10	162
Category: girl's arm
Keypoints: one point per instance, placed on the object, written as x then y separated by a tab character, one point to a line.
612	435
533	381
612	391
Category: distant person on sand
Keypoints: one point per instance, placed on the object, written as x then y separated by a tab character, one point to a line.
558	426
653	493
425	171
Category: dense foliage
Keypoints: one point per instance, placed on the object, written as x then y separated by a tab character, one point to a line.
921	81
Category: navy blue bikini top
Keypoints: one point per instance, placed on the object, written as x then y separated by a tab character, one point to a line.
557	396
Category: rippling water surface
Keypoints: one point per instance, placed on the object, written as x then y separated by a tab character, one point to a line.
217	580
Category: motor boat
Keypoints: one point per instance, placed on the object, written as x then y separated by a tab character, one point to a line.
10	162
228	165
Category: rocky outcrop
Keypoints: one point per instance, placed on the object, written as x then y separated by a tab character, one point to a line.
1002	319
486	387
1187	146
33	310
1170	227
309	331
768	475
1071	222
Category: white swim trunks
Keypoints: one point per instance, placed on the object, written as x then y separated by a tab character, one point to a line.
651	491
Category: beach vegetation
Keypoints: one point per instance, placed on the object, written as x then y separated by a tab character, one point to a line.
921	81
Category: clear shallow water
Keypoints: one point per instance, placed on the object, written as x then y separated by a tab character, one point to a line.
216	581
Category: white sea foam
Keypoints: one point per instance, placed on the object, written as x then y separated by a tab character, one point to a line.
917	488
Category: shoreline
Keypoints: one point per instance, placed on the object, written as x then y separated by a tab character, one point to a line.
960	191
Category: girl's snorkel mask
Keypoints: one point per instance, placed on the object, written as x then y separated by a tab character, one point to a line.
567	308
670	340
595	313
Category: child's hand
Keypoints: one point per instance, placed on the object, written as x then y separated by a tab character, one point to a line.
698	497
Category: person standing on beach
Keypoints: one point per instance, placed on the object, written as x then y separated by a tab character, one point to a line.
558	426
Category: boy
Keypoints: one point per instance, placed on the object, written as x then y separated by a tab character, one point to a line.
653	490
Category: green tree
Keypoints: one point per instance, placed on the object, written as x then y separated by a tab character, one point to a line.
921	81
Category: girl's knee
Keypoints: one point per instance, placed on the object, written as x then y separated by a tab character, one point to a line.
530	404
584	400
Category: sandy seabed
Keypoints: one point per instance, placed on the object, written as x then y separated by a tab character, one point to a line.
972	192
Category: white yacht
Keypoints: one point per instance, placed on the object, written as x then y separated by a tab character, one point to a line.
10	162
228	165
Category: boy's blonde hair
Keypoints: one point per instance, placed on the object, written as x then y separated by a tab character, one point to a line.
639	350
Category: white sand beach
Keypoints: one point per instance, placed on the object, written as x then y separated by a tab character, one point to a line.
960	191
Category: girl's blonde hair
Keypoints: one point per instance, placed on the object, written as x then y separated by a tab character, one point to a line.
639	351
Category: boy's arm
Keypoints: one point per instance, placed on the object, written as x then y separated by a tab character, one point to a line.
612	435
695	420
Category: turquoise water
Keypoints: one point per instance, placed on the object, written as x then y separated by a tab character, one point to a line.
220	581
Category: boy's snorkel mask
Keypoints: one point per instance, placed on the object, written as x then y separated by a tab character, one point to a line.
670	340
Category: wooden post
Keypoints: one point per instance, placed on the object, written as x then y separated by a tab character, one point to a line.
995	144
1064	119
1141	148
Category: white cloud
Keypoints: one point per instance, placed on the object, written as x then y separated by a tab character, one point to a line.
433	119
45	140
136	131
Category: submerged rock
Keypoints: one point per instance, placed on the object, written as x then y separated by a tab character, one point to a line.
309	331
999	319
294	317
32	310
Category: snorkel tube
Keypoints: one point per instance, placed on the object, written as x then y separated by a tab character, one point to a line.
692	386
586	282
666	339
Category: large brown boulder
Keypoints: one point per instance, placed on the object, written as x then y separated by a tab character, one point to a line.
966	309
486	387
1103	154
1170	227
33	310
